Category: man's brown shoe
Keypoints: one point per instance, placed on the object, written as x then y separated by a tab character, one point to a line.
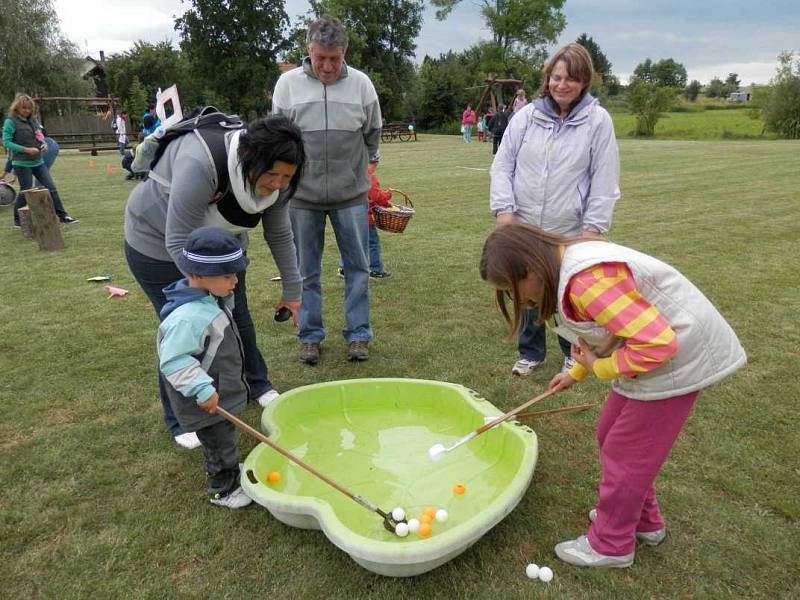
309	352
358	350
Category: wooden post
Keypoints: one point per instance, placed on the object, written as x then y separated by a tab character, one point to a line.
44	223
25	222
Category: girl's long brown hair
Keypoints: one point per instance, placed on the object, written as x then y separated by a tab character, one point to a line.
510	254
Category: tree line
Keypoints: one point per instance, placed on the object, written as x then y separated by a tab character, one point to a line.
228	55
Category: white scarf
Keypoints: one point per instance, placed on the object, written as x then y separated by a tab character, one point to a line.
249	202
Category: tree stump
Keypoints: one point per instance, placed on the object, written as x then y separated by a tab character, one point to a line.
25	222
44	223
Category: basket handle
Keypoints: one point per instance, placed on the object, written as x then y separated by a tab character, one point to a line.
406	199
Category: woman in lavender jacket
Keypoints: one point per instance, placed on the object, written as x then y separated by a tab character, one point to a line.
558	169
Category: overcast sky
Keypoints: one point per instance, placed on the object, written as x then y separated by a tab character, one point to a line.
709	37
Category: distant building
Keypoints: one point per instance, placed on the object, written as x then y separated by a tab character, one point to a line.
95	70
739	97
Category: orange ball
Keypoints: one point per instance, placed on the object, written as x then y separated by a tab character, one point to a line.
430	511
425	529
425	518
460	489
274	477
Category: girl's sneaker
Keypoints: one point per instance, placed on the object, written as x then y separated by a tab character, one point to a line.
235	499
381	275
580	553
648	538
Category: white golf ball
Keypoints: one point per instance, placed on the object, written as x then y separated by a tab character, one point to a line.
398	514
401	529
546	574
413	525
532	571
436	452
441	515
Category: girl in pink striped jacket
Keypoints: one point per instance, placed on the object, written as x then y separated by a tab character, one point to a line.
638	323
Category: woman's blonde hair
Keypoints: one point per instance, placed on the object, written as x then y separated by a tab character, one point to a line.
18	101
579	67
514	251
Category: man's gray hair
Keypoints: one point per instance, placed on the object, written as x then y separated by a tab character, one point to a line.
328	32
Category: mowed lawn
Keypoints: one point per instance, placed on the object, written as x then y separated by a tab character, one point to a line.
98	502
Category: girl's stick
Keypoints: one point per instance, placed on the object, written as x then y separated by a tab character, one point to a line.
388	521
437	451
557	411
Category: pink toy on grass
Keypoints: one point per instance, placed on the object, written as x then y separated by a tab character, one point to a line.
115	291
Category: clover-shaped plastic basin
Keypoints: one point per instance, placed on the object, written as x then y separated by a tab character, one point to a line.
372	436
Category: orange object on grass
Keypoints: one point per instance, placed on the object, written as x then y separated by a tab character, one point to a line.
459	489
425	529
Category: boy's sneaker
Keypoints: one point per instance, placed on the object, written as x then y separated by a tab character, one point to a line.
358	350
382	275
569	362
235	499
648	538
16	225
67	220
580	553
267	397
189	440
524	366
340	272
309	352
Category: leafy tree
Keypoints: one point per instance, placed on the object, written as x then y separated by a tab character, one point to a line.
135	101
231	46
35	57
444	92
382	36
779	103
731	84
664	73
154	66
692	90
648	102
599	60
521	29
715	88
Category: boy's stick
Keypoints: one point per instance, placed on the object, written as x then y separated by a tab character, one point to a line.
388	521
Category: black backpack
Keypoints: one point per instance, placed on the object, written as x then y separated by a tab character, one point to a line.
210	126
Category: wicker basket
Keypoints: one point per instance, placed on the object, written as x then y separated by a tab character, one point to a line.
394	218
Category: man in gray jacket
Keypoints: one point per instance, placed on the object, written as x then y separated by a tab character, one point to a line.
337	109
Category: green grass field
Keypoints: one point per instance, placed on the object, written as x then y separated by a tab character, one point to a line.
703	125
99	503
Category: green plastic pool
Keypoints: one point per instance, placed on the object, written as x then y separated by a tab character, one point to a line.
372	436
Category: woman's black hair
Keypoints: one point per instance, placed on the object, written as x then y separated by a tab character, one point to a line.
266	141
148	120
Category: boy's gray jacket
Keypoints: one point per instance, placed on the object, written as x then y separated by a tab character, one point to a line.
708	349
341	125
562	176
200	352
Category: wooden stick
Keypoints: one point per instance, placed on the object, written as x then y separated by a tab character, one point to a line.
556	411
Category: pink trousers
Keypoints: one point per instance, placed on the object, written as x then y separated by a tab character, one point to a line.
635	437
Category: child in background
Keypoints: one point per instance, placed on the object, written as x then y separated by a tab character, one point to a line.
200	355
632	320
481	124
377	197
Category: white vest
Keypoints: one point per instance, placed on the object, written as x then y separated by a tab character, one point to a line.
708	349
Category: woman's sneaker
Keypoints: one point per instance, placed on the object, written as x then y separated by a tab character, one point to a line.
648	538
235	499
67	220
523	367
379	275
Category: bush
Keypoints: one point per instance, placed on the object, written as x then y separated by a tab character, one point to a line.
648	103
779	103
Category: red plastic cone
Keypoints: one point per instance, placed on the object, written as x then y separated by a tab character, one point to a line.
91	163
109	169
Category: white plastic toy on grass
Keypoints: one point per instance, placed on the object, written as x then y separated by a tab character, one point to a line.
532	571
546	574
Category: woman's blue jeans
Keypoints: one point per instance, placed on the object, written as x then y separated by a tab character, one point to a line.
351	230
25	177
153	276
532	340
